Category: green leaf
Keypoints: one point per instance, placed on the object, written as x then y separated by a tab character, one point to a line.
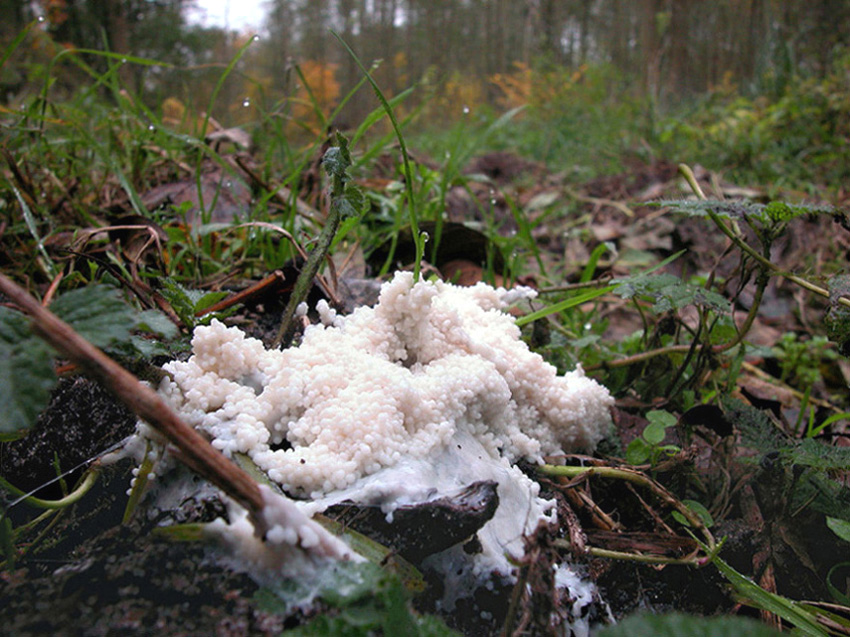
837	594
638	451
156	322
334	163
837	319
840	527
97	313
671	293
563	305
773	212
678	624
661	417
699	509
787	609
654	433
187	303
26	373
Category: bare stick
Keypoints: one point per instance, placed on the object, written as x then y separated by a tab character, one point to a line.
194	449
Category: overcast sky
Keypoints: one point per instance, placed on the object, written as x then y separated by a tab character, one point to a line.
240	15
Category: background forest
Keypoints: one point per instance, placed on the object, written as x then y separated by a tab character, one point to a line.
614	71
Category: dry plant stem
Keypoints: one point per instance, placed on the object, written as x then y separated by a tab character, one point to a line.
755	371
599	202
273	280
631	557
688	174
194	449
638	478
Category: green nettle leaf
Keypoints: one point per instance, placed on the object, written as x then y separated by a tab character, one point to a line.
365	601
345	208
337	159
837	319
333	162
97	313
26	373
814	485
356	199
670	293
156	322
186	303
773	212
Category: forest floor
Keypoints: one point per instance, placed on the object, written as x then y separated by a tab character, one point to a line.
757	439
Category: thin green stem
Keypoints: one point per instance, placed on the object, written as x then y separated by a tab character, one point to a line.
744	247
305	279
71	498
408	173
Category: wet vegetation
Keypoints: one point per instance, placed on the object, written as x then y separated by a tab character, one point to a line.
686	231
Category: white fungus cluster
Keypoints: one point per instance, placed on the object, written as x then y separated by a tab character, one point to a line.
292	543
401	379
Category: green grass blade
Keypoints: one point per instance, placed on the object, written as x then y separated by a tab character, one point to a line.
317	109
375	116
590	268
14	44
220	83
29	219
787	609
408	173
563	305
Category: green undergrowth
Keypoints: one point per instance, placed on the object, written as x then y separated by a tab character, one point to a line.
360	601
792	138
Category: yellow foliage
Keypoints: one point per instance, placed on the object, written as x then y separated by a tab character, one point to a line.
516	87
459	94
177	117
321	91
56	11
173	112
400	64
539	89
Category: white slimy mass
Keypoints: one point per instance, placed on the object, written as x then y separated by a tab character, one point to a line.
400	379
418	397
